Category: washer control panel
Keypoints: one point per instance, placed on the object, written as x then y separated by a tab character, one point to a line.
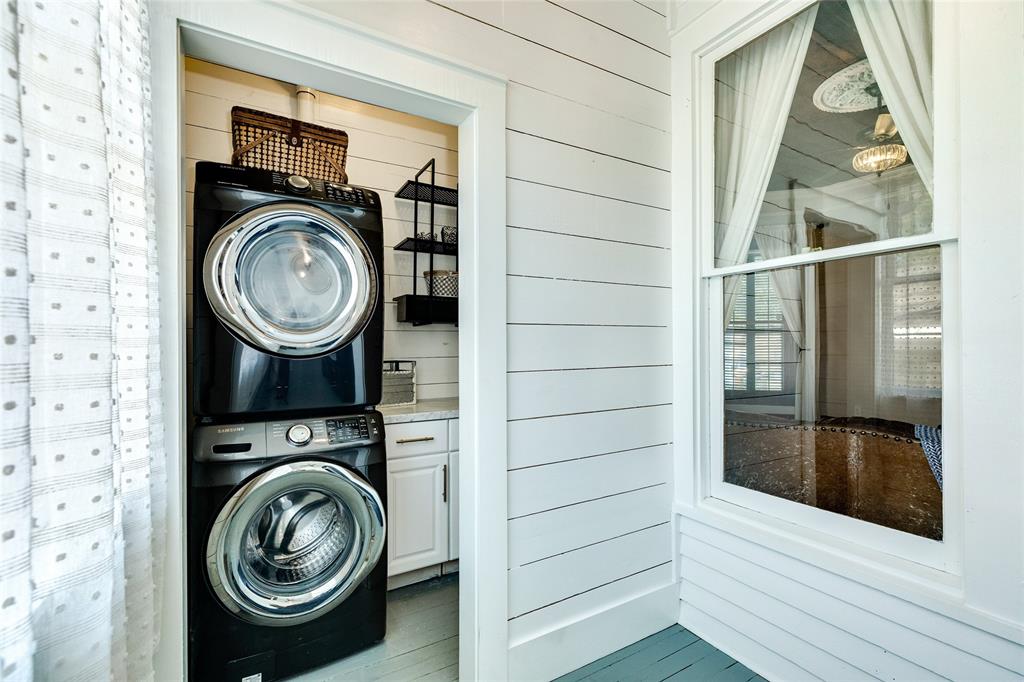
231	442
348	429
317	434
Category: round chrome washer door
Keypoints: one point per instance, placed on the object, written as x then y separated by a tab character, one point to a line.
290	279
294	541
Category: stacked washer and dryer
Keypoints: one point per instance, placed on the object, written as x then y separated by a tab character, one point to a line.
286	496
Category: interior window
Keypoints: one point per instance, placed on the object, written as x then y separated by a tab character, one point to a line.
832	376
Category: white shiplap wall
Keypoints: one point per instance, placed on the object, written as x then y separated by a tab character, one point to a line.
385	149
589	485
792	620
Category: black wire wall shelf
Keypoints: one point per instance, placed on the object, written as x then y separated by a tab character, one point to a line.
442	196
427	246
417	308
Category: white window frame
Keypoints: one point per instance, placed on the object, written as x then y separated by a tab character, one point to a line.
698	301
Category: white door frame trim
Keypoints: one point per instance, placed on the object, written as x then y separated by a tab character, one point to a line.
300	45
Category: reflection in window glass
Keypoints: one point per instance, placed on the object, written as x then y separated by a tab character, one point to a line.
833	387
823	132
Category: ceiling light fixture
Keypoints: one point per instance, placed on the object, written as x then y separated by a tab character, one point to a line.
880	158
886	153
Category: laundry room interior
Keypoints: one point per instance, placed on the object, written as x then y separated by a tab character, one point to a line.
386	152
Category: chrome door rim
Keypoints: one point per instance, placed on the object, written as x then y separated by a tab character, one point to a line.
233	307
258	604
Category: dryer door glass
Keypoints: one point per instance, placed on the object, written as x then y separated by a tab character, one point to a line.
291	279
294	541
295	277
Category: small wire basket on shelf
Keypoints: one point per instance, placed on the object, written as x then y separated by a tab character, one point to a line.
287	145
442	282
450	234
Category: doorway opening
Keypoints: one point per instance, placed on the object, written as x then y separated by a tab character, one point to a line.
388	152
276	43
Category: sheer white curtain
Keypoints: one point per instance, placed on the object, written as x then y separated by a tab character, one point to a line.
755	88
82	482
908	339
897	37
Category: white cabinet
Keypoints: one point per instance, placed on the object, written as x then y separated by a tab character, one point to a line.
453	504
418	512
423	494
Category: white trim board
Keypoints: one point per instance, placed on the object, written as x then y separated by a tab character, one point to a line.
564	648
305	46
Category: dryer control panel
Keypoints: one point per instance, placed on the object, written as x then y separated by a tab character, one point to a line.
285	184
234	442
315	188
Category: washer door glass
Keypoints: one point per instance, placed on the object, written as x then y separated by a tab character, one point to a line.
294	542
291	279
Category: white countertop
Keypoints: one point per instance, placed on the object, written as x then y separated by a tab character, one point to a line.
424	410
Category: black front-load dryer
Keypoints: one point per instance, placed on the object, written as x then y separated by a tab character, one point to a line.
287	295
287	567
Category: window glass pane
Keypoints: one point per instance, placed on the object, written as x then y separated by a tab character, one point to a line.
833	387
823	132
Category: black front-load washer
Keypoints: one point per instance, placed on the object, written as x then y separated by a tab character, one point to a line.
287	295
287	566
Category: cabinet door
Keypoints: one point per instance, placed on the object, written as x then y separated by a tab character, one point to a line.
417	512
453	506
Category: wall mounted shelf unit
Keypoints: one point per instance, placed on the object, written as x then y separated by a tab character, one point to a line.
416	308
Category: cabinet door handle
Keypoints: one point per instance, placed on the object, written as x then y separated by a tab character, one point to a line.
417	439
444	490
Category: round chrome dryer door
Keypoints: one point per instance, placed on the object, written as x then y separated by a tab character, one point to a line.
294	541
290	279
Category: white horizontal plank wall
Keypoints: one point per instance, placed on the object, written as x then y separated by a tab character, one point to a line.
386	148
744	596
588	308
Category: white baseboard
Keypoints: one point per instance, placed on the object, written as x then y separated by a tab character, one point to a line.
753	655
563	650
412	577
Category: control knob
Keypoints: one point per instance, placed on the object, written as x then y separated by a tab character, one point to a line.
298	184
299	434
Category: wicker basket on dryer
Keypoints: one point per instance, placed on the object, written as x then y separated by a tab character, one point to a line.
288	145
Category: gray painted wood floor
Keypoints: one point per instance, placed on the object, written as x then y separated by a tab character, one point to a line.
422	641
423	644
674	654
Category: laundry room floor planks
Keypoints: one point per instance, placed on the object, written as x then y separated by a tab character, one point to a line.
422	641
674	654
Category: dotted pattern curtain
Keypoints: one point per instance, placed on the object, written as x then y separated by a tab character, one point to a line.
82	478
